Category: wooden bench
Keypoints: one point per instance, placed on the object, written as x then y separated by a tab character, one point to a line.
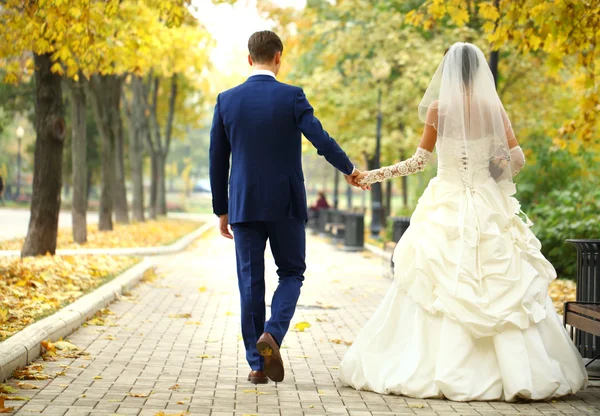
584	316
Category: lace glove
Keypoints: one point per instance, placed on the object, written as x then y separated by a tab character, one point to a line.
407	167
517	160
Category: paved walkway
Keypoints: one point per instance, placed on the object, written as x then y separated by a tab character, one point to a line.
197	363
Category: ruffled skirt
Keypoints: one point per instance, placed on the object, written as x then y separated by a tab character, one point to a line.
468	316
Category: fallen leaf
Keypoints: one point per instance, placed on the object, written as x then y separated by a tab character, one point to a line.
320	392
206	356
180	402
149	275
255	392
31	372
110	337
5	388
174	387
5	409
97	377
193	323
228	313
26	386
202	289
180	315
142	395
341	341
301	326
20	398
96	321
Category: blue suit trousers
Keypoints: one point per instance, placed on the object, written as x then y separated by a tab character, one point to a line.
287	239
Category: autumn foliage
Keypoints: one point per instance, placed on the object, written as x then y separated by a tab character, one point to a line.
143	234
33	288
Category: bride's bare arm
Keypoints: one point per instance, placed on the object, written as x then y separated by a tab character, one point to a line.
517	157
414	164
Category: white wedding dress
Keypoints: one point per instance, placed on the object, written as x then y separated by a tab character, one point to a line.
468	315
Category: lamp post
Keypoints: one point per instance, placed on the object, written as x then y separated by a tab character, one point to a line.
376	196
20	134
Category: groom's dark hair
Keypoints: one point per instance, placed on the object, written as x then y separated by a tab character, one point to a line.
263	46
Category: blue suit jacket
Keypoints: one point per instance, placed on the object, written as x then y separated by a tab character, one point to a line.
260	125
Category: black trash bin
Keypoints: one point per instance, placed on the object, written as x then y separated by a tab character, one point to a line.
354	233
588	290
399	227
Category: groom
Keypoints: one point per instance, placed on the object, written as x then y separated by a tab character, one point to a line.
259	124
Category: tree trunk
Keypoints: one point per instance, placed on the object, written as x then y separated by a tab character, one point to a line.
102	89
377	215
153	184
88	189
47	169
136	114
388	199
121	209
349	195
79	162
160	150
161	189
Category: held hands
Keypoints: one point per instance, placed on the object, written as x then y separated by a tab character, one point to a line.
355	179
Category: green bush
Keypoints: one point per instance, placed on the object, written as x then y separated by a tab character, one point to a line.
573	212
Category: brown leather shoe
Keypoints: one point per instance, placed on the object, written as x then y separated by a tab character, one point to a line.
258	377
268	348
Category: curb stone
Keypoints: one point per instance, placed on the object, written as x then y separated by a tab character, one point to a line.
25	346
176	247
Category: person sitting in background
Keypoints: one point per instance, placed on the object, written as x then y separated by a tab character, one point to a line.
321	202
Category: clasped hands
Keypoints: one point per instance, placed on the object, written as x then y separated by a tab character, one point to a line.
356	178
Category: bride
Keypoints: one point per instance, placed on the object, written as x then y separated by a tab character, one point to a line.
468	316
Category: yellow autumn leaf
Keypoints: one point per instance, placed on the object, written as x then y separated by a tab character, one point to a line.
180	315
26	386
301	326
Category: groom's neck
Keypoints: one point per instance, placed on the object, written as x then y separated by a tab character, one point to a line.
268	67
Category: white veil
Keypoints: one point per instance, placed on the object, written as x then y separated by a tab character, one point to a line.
463	95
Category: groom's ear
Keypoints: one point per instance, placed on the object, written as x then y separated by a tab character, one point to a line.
277	58
250	60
